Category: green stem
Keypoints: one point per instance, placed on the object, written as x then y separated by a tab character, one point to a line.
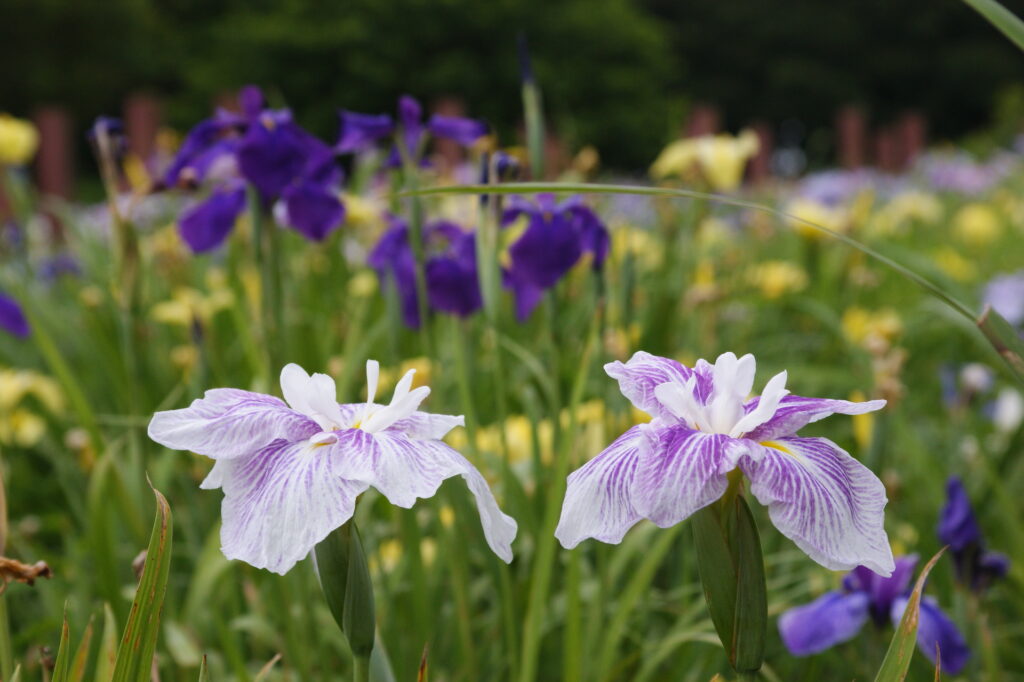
6	650
361	669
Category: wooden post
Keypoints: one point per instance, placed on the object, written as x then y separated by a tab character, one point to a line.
142	114
704	120
55	159
851	137
760	167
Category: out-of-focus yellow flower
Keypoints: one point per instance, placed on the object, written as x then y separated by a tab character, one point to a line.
719	159
977	224
863	424
869	328
619	341
91	296
185	357
19	140
136	173
361	212
704	287
363	284
188	306
712	232
903	210
165	244
388	554
21	427
16	384
586	161
836	219
639	243
446	516
776	278
424	367
955	265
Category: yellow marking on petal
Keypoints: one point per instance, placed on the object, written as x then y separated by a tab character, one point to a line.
775	445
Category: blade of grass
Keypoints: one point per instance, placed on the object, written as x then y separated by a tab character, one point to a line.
138	642
1000	17
901	649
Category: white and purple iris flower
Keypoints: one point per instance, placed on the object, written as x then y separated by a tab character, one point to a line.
836	617
449	268
556	237
291	470
704	427
292	170
360	132
12	318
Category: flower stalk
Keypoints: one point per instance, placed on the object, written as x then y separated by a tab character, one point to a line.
345	579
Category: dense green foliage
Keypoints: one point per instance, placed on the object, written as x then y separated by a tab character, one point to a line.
616	73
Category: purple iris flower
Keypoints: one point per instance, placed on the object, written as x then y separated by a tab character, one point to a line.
59	265
556	237
291	469
12	319
1005	293
449	268
836	617
958	528
705	428
266	148
361	131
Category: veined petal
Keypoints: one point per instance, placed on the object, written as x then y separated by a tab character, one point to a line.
228	423
830	619
599	496
824	500
643	373
794	412
682	471
881	591
767	404
403	470
279	503
936	633
427	426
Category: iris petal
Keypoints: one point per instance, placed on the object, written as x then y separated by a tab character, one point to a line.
830	619
599	495
936	633
824	500
794	412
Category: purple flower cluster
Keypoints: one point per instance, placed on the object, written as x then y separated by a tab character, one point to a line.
556	237
838	616
267	149
360	132
450	270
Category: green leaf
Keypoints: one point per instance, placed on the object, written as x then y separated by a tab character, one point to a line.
1004	339
1001	18
81	659
345	580
203	674
108	647
16	676
138	642
62	666
732	573
751	620
901	649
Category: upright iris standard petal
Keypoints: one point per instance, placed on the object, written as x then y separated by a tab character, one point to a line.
644	372
465	131
207	224
957	526
360	131
704	430
599	498
881	591
938	638
825	501
280	502
831	619
273	153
